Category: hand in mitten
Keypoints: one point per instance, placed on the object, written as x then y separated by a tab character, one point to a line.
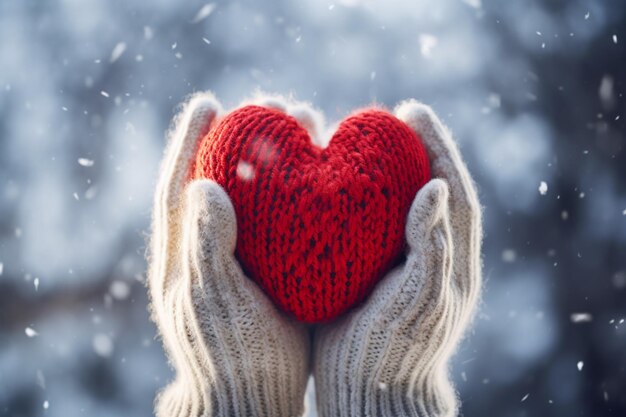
390	356
234	353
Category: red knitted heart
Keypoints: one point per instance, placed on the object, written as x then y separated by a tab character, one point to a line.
316	228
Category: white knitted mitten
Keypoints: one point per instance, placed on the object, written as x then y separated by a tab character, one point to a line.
389	357
234	353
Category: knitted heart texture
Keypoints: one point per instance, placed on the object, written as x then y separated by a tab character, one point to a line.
317	226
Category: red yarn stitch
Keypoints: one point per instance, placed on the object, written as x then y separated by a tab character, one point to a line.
316	228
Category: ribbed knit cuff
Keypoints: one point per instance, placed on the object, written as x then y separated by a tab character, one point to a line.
175	401
385	401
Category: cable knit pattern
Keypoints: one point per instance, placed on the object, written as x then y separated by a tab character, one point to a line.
389	358
234	353
317	227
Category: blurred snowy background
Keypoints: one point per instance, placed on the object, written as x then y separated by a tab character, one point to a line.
533	91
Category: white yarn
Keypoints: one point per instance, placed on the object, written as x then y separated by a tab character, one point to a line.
236	355
389	358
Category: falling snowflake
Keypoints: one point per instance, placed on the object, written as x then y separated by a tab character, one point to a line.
104	94
581	317
41	379
580	365
543	188
46	405
245	171
615	39
91	192
117	52
509	255
427	44
204	12
85	162
30	332
606	90
476	4
120	290
525	397
102	345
